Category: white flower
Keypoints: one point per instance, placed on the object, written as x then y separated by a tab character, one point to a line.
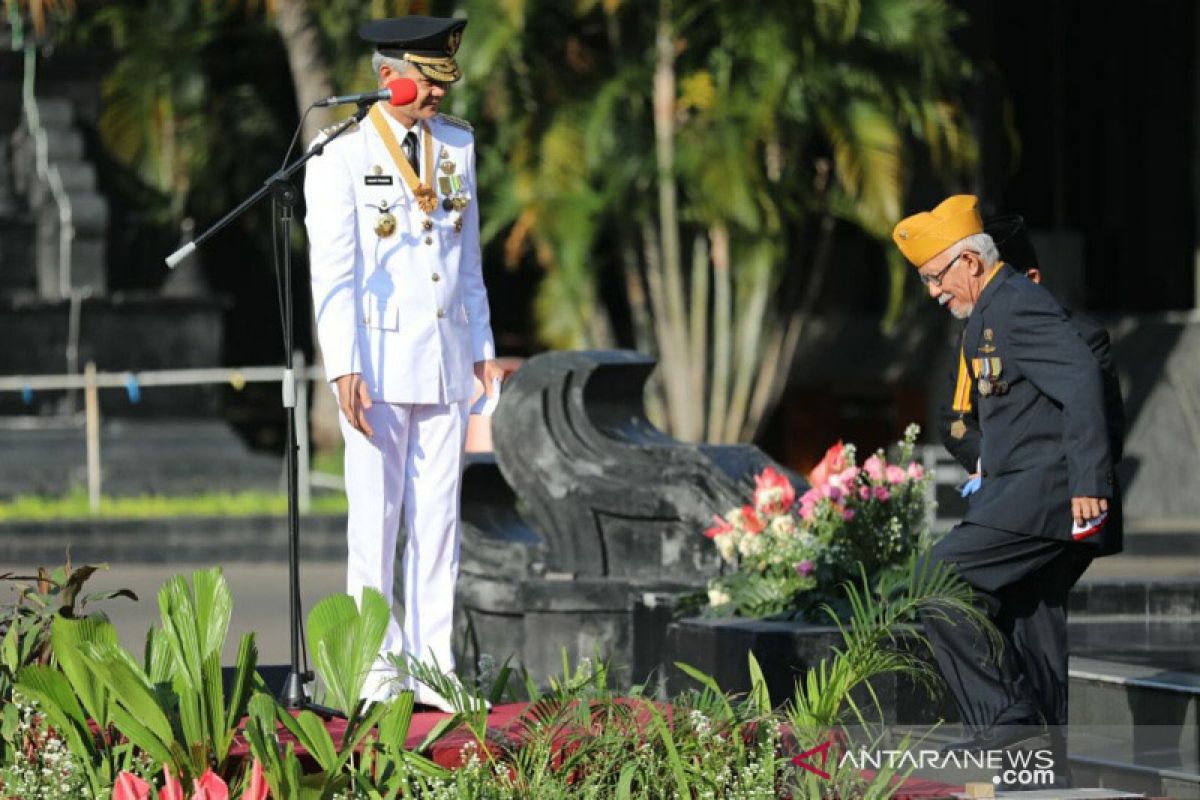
727	546
717	597
784	525
750	546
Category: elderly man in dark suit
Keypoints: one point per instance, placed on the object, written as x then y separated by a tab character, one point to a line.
1045	466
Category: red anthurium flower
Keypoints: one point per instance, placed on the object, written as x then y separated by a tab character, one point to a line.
833	462
752	522
773	493
721	527
210	787
257	788
131	787
173	789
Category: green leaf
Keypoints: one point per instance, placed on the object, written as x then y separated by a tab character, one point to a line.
239	690
131	690
345	643
394	727
68	637
11	653
759	695
710	684
317	740
53	693
625	782
439	730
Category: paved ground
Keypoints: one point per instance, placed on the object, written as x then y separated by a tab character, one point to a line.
260	602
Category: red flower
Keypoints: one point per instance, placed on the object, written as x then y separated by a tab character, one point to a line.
131	787
752	522
256	789
833	462
773	493
721	527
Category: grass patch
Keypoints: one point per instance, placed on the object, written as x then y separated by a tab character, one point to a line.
215	504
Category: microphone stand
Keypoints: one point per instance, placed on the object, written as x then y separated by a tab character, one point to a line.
279	185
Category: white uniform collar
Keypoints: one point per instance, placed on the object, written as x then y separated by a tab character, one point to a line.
401	131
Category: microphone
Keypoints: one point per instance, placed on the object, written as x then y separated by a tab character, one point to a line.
398	92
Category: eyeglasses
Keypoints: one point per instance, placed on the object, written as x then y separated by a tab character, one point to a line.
936	280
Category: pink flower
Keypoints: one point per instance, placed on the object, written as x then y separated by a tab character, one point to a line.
257	788
895	474
172	789
773	493
808	503
832	463
915	471
720	528
882	494
864	493
752	522
847	477
805	567
874	468
210	787
848	514
131	787
832	491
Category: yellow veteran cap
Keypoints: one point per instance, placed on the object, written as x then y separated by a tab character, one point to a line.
922	236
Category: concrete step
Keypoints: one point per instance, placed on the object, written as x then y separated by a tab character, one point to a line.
1145	596
137	457
1135	726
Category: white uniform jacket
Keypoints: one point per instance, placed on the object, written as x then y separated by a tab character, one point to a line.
409	311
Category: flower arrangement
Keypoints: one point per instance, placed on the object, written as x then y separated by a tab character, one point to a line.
851	518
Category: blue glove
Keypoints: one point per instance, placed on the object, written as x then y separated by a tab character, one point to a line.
971	486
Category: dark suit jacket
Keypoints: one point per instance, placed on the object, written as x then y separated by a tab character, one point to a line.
966	449
1045	438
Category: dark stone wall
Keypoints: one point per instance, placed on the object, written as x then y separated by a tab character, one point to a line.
119	333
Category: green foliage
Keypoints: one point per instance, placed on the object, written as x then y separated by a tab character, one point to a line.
617	145
174	710
46	602
345	642
575	738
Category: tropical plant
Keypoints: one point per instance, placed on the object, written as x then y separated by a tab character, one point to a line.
680	171
850	519
26	628
345	638
174	708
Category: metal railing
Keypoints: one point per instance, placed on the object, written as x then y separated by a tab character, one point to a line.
92	381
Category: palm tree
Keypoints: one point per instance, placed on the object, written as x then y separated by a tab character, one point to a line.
701	159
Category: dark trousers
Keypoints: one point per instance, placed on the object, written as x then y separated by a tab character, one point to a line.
1022	582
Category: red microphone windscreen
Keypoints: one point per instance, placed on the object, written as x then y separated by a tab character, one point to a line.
404	91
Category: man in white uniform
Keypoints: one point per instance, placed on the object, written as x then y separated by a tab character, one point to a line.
403	322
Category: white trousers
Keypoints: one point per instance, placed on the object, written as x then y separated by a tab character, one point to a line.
411	467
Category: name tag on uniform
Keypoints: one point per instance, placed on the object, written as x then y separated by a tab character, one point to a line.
378	180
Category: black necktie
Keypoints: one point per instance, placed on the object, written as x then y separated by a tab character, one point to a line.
410	150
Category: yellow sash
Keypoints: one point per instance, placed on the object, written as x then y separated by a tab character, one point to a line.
962	387
426	197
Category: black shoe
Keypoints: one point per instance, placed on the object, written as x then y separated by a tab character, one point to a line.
998	737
